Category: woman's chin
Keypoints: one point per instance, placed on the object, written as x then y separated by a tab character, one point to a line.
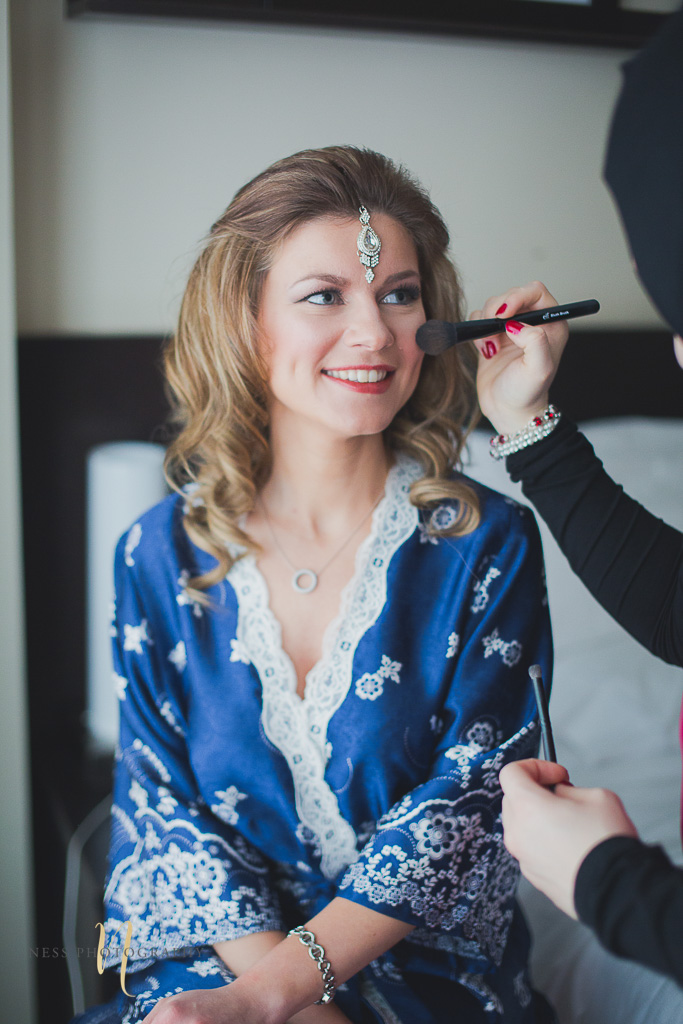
342	424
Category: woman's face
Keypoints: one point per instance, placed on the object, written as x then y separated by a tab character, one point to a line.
341	352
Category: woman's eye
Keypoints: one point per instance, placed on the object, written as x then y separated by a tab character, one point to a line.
402	296
326	298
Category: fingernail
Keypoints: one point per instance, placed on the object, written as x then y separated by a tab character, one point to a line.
489	350
514	326
501	309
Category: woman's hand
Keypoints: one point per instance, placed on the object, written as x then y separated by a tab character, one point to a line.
228	1005
516	368
551	832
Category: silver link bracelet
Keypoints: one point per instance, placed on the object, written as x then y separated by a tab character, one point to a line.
317	955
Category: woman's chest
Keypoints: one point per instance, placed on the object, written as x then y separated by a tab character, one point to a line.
280	764
303	618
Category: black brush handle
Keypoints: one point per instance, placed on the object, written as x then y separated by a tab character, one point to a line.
542	316
436	336
470	329
543	713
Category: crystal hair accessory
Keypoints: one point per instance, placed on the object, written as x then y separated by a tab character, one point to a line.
369	245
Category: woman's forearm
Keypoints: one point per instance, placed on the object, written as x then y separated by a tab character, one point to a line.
351	935
241	954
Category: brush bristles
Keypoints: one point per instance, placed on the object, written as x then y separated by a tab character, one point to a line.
436	336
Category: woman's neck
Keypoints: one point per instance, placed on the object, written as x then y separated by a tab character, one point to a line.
318	486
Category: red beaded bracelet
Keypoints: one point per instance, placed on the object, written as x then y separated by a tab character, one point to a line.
539	427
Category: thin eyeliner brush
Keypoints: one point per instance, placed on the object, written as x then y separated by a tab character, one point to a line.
436	336
536	674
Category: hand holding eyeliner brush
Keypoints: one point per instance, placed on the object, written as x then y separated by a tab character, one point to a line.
435	336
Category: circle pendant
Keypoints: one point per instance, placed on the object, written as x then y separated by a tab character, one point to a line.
304	588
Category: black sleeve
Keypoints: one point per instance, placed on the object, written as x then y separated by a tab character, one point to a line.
630	560
631	895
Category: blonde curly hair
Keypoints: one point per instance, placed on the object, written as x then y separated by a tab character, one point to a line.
216	372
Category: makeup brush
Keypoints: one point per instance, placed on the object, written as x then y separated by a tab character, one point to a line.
435	336
536	674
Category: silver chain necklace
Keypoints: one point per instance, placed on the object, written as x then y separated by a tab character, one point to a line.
299	574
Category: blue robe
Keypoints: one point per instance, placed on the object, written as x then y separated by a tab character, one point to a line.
239	807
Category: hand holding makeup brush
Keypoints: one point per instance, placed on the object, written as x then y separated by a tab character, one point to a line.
516	368
550	826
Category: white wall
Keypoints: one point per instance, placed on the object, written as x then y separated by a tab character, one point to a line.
16	938
132	136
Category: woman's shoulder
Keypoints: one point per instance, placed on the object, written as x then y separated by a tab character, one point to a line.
155	561
495	503
497	510
500	514
157	540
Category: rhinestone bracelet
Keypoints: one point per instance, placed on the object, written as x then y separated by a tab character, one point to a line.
539	427
317	954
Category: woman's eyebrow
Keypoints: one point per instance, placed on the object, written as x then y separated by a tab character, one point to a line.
400	276
327	278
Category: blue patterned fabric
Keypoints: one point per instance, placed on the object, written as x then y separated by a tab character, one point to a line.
239	807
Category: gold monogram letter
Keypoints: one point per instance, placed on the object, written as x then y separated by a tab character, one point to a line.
126	952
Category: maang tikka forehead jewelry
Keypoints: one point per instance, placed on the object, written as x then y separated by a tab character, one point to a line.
369	245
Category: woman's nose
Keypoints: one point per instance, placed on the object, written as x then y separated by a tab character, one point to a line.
369	331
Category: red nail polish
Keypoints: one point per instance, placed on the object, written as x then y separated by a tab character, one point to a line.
501	309
489	350
513	326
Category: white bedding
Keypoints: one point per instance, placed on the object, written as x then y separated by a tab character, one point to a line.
614	710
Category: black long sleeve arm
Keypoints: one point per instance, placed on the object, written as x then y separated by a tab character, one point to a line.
631	895
630	560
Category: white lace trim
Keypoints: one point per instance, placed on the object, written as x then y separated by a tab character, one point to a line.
181	885
298	728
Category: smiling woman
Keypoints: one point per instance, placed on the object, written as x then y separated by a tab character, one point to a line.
321	639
